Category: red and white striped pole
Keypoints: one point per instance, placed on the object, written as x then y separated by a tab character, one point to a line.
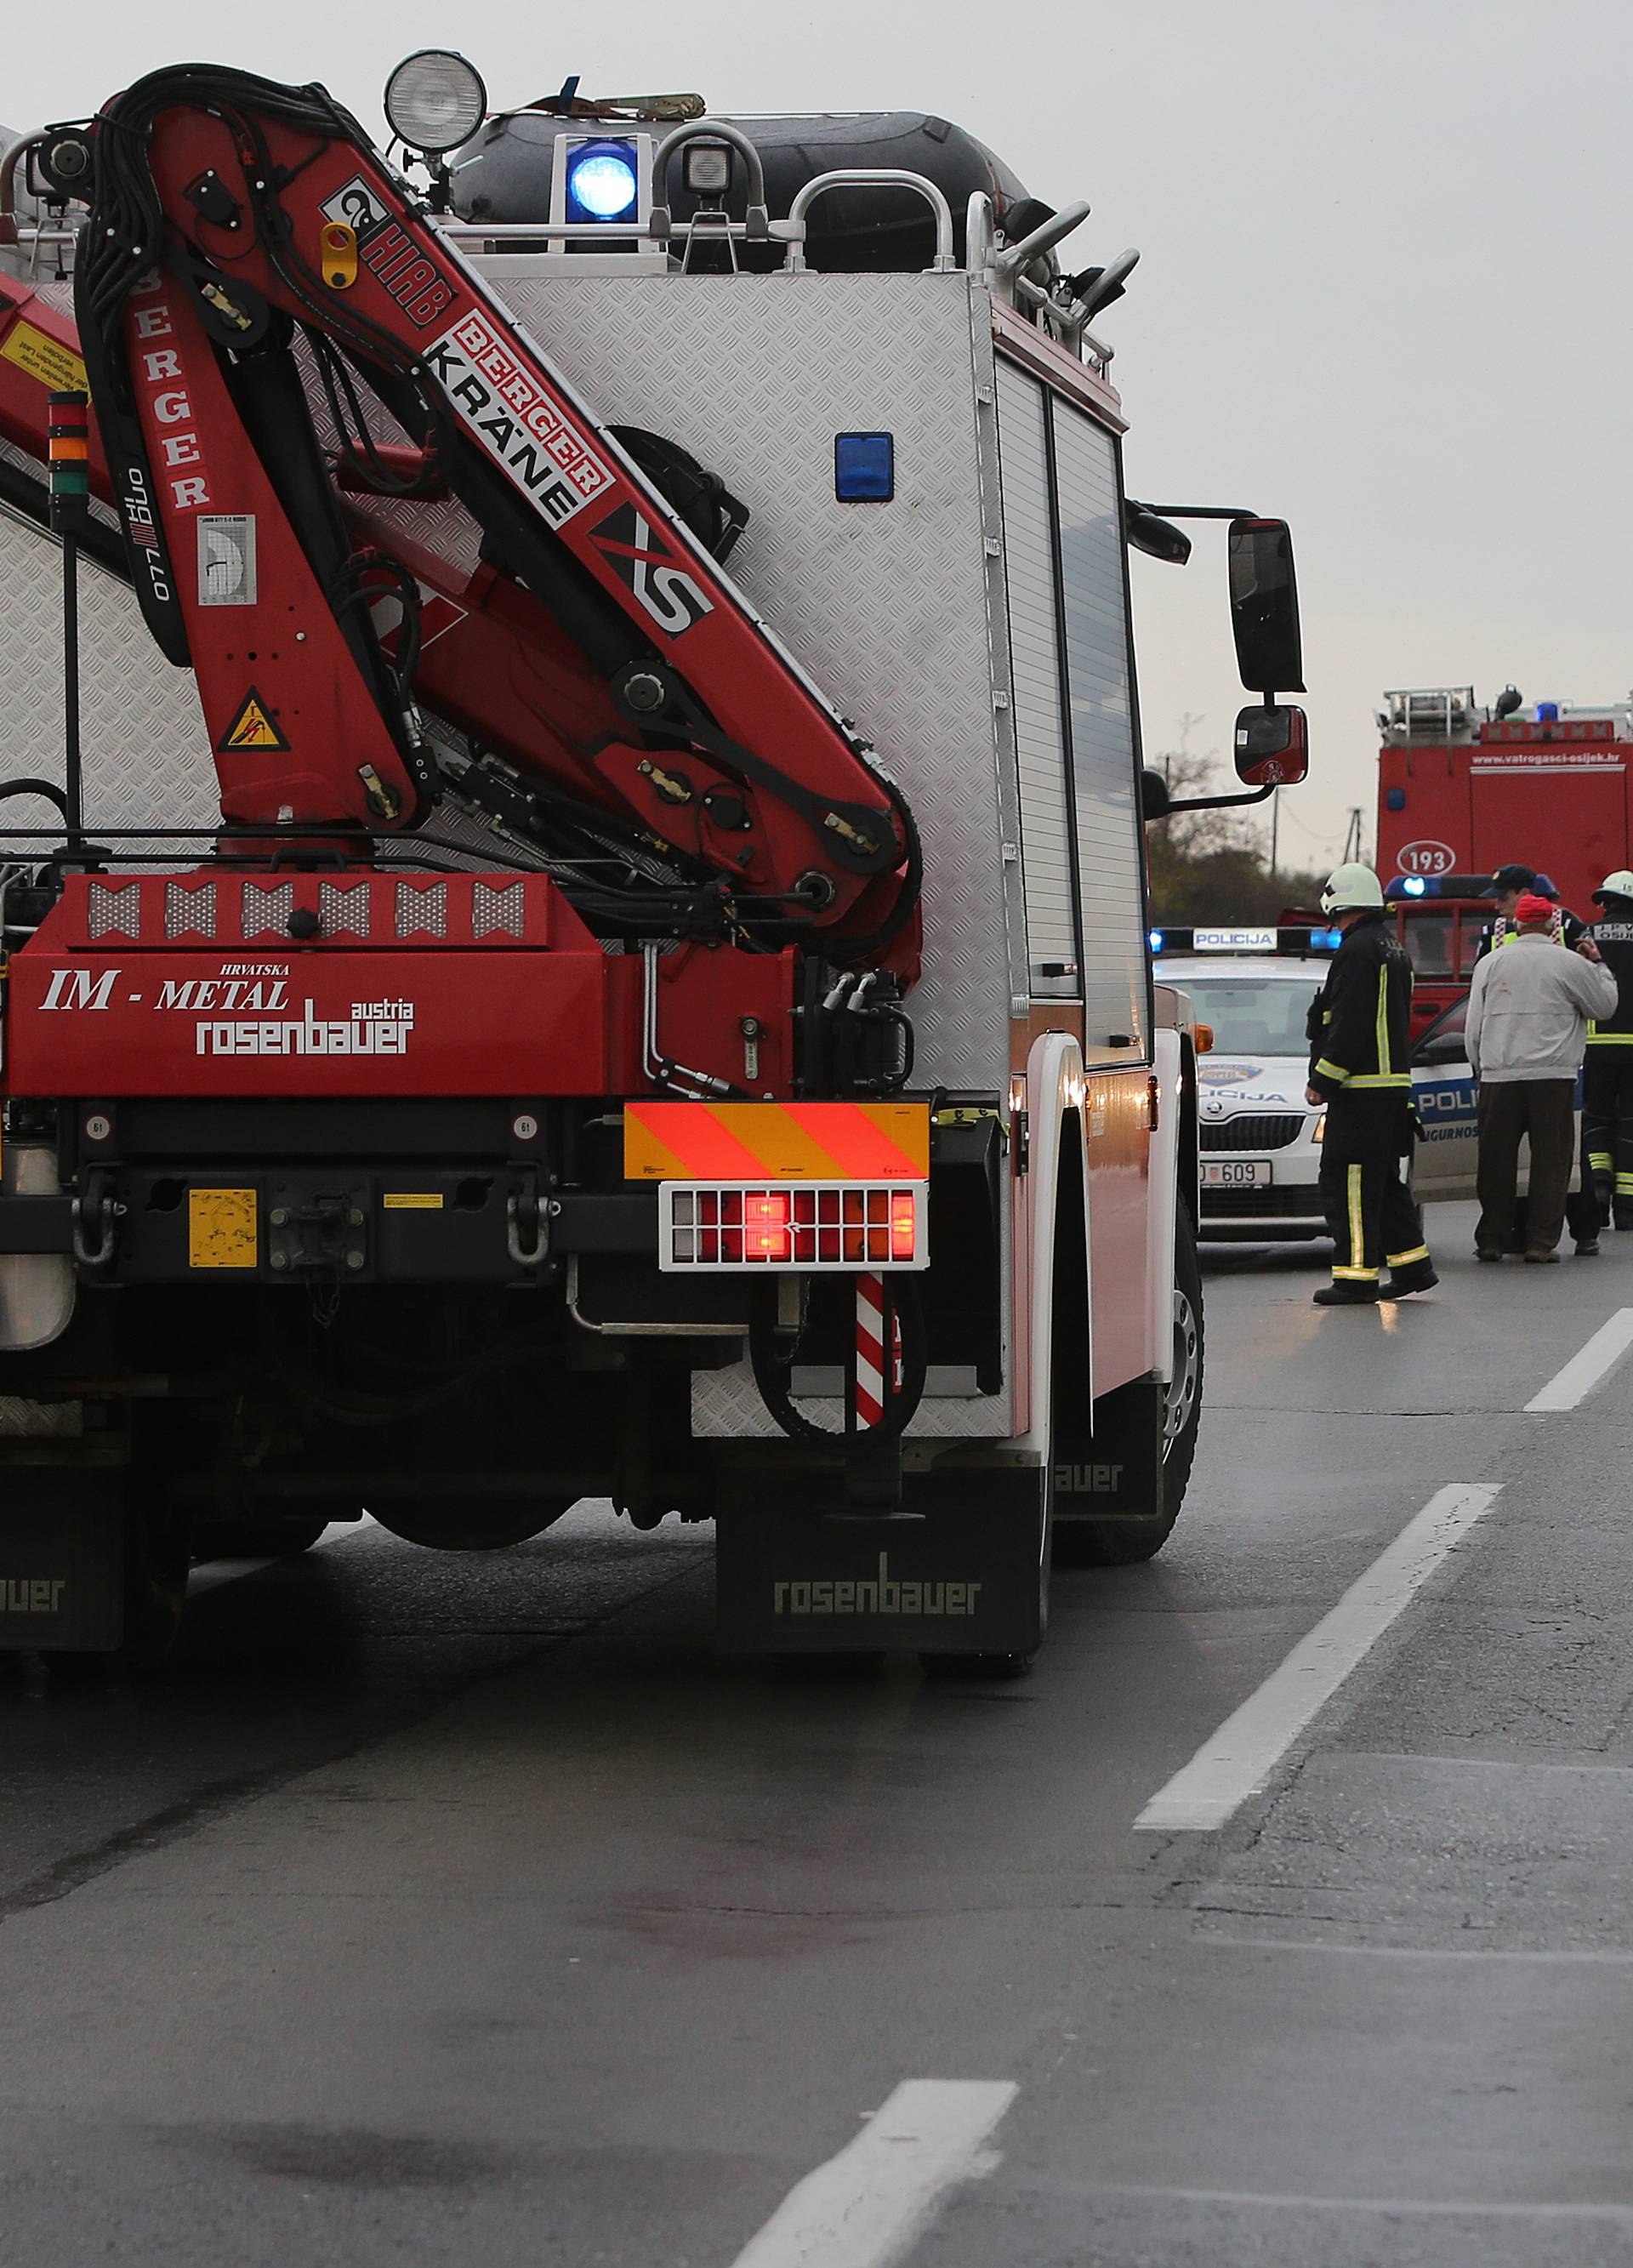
877	1330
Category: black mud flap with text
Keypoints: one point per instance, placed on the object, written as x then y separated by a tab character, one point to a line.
1114	1471
61	1559
958	1570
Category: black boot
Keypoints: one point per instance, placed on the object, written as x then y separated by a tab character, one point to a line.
1346	1294
1416	1276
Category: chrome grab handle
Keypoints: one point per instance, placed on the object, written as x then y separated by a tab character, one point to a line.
862	177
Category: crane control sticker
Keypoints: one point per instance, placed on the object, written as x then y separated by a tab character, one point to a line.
251	727
44	358
642	560
516	421
226	560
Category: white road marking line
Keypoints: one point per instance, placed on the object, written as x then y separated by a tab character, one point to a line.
864	2208
1581	1373
1240	1757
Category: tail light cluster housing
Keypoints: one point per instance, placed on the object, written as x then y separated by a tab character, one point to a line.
840	1228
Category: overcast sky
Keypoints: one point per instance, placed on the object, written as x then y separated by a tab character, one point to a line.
1384	293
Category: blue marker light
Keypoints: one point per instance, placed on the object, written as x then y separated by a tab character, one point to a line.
603	182
1154	940
864	467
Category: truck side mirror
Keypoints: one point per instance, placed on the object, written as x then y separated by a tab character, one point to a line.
1154	801
1271	748
1264	608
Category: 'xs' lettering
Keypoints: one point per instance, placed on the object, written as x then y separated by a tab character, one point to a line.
629	543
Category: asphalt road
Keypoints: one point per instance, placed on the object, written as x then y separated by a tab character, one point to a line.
441	1909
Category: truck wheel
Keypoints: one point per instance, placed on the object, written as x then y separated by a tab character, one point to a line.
1124	1543
465	1524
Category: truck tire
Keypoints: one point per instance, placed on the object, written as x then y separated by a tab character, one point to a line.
470	1524
1124	1543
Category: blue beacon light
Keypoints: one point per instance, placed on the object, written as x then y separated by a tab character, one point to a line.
1413	886
1154	940
603	182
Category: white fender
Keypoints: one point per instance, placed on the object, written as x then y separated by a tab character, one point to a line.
1055	1083
1168	1066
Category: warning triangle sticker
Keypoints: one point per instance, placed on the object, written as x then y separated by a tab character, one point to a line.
251	727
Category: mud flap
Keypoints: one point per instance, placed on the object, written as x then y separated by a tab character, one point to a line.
61	1559
1114	1472
960	1569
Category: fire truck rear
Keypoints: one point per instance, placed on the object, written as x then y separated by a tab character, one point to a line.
569	1022
1463	790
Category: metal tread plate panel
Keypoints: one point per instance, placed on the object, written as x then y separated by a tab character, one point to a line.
147	756
727	1406
883	604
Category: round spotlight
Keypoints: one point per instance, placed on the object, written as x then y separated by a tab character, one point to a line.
434	100
602	182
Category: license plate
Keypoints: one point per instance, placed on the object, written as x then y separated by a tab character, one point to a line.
1237	1174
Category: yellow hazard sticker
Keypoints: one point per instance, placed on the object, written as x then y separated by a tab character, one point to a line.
412	1200
46	358
221	1228
251	727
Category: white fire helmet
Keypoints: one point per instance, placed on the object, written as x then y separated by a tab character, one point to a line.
1349	889
1619	884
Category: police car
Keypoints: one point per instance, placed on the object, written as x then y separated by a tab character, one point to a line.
1259	1140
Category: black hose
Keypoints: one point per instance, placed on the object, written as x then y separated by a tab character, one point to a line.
772	1372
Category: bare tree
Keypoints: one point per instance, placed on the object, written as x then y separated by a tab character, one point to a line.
1210	866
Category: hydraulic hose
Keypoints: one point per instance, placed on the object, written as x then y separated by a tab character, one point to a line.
773	1373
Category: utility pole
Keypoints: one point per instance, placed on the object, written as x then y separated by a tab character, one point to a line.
1352	840
1188	725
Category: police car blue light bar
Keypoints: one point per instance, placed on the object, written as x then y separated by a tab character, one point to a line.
1438	885
1166	942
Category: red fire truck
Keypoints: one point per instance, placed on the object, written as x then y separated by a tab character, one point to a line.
569	1020
1464	790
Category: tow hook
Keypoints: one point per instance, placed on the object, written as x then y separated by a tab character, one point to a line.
97	1215
527	1229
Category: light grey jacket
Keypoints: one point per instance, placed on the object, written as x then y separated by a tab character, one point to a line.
1528	1010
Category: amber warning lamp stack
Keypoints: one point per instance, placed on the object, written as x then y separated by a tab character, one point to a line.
70	441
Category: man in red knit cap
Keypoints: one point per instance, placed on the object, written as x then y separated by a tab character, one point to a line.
1528	1011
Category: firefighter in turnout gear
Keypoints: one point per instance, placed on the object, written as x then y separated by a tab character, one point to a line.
1607	1072
1359	1068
